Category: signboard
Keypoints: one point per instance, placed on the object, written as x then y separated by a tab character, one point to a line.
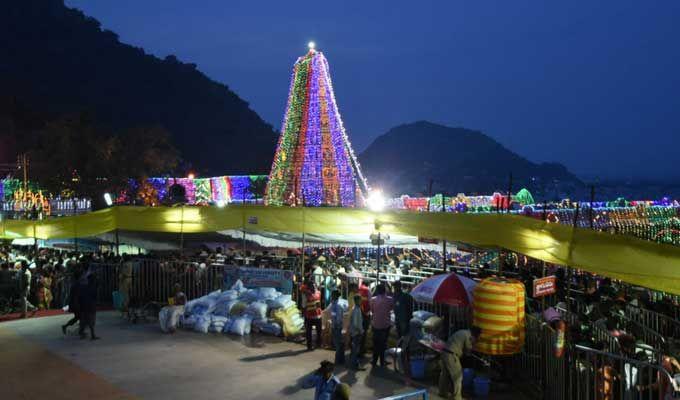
427	240
252	278
545	286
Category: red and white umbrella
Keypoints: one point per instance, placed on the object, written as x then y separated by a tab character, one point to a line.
450	289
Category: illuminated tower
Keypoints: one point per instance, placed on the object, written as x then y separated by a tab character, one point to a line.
314	163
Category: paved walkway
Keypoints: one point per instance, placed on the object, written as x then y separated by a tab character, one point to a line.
137	361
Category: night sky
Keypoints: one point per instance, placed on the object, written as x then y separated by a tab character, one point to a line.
592	84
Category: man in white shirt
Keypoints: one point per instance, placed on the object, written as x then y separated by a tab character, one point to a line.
26	290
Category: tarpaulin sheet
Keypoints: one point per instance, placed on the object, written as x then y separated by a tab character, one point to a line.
627	258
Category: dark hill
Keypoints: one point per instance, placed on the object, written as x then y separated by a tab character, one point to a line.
57	59
403	161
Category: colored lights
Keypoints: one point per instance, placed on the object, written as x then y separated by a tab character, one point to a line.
314	164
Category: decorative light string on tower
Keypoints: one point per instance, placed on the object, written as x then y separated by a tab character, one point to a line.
314	164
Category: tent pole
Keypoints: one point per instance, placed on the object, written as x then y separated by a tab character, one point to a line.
444	255
35	239
543	297
302	258
377	262
181	231
117	244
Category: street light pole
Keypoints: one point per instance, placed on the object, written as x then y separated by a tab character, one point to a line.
377	270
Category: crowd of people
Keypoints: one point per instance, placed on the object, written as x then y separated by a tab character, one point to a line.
342	300
50	279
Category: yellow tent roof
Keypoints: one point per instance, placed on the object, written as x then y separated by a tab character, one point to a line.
633	260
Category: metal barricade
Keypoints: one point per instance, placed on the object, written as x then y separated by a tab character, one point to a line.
154	280
662	324
599	332
539	363
595	375
647	335
455	317
107	281
418	394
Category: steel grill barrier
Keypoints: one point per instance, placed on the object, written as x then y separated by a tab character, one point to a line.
107	281
594	374
538	362
454	317
416	395
662	324
583	373
154	280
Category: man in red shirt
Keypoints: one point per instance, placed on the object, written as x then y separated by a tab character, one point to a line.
381	308
311	302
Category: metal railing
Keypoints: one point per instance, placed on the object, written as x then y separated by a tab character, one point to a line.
455	317
596	375
418	394
538	361
662	324
583	373
154	280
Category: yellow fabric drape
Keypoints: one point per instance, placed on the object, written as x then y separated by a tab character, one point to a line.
627	258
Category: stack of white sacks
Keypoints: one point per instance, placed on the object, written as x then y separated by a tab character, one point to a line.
239	310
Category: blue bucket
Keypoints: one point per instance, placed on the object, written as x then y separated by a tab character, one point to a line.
468	377
118	299
482	386
418	368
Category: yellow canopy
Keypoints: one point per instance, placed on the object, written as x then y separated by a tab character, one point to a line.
632	260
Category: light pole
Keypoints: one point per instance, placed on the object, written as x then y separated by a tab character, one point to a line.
376	203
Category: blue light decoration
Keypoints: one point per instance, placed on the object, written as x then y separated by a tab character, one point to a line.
161	187
240	188
314	163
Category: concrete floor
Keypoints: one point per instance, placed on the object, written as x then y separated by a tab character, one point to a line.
138	361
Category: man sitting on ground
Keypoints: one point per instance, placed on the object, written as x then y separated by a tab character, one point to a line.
169	315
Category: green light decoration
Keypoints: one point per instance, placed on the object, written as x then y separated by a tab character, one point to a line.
314	163
203	191
524	197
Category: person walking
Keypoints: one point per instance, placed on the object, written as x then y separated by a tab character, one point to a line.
125	282
88	304
337	319
356	333
451	375
73	300
25	286
381	307
365	294
403	309
312	307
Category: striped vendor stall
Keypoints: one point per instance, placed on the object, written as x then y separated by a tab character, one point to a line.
498	309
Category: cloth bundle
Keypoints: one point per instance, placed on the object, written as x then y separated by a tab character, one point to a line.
236	310
422	315
282	301
241	325
257	309
289	319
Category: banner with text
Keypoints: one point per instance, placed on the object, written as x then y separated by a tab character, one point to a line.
252	278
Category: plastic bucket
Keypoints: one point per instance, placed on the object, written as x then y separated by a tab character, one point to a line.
482	386
418	368
468	377
117	300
